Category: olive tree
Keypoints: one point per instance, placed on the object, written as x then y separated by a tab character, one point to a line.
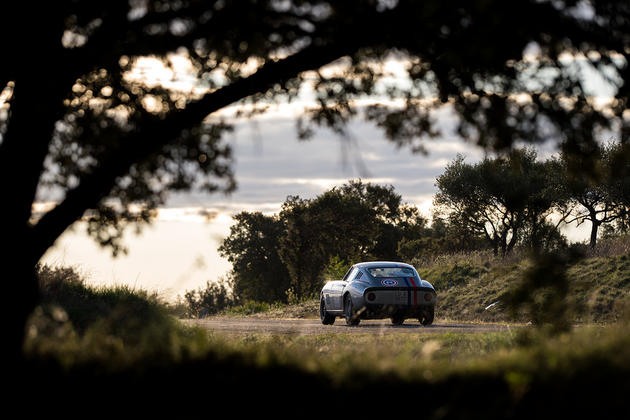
508	199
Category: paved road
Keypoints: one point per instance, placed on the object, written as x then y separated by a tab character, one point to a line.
314	326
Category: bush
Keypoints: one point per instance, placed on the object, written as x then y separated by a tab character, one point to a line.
250	307
79	323
336	268
214	298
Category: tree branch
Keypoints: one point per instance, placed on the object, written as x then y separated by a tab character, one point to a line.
151	137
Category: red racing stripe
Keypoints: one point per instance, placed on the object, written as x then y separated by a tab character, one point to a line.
415	292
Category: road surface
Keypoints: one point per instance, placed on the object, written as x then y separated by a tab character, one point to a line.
314	326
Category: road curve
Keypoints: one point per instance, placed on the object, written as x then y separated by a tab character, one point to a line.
314	326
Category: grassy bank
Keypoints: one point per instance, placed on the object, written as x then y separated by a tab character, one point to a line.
474	287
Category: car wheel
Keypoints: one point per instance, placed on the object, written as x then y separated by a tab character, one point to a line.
398	320
427	317
348	310
327	319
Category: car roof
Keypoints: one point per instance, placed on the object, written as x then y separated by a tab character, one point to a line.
372	264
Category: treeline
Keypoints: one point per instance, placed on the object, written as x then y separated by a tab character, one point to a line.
518	199
497	204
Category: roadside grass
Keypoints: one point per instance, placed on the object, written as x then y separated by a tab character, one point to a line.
307	309
76	323
339	355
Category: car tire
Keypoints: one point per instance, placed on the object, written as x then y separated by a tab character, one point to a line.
349	313
398	320
327	319
427	317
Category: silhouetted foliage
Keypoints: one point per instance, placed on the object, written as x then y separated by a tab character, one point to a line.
209	300
253	249
542	292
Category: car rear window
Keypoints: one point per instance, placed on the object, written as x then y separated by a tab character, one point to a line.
391	272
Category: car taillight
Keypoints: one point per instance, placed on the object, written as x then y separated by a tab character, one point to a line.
371	296
428	297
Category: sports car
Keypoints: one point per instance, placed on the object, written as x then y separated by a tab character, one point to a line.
377	290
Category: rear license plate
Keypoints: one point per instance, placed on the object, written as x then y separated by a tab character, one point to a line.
401	297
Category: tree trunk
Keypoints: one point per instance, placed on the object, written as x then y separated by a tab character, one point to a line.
503	244
594	229
34	110
513	241
36	107
20	286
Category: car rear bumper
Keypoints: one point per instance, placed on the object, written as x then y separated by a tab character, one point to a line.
411	302
399	296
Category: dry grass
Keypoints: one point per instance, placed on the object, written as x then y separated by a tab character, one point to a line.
609	247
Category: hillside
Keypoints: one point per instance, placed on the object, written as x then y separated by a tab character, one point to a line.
474	287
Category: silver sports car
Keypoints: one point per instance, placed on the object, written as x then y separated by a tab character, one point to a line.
375	290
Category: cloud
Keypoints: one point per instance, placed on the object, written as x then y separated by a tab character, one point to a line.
270	163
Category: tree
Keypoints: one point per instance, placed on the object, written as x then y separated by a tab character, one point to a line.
393	220
599	196
76	122
501	198
301	257
253	249
441	237
337	223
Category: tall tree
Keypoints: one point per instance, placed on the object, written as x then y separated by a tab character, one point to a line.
76	119
393	220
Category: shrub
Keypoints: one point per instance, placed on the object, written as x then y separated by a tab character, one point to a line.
80	323
250	307
215	297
